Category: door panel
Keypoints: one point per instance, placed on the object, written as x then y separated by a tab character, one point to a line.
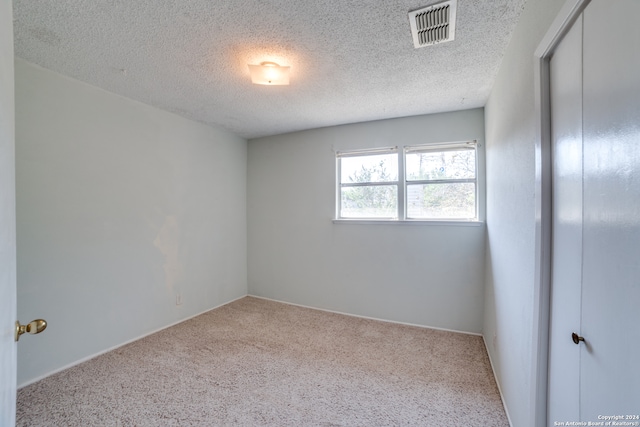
566	136
610	364
7	221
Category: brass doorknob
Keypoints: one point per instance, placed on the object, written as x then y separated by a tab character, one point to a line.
576	338
33	327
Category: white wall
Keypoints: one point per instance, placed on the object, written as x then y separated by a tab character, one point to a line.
423	274
510	133
120	207
7	221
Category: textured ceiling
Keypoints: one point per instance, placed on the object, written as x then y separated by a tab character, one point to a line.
351	61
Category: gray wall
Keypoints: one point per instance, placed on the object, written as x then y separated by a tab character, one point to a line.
7	220
423	274
120	207
510	133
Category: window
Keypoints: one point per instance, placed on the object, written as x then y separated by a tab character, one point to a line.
422	182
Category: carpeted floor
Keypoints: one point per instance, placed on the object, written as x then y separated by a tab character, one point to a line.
261	363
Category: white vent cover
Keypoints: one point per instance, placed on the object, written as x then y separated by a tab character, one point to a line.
433	24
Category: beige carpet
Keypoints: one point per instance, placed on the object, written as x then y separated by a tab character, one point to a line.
260	363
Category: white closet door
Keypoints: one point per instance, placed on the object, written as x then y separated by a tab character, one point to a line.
595	290
566	111
610	361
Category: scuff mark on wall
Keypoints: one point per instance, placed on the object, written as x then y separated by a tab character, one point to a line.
168	243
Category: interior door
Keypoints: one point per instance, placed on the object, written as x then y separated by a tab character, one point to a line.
7	221
595	290
566	136
610	360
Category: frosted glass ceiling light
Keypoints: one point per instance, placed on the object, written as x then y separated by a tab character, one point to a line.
269	73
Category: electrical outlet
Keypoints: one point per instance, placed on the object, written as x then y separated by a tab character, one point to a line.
178	299
495	341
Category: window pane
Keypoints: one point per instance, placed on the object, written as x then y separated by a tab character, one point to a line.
375	168
442	201
453	164
371	201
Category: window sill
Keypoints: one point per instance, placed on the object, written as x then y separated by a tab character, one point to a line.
460	223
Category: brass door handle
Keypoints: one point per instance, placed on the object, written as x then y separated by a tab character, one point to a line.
576	338
33	327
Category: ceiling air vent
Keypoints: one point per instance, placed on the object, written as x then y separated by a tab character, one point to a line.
433	24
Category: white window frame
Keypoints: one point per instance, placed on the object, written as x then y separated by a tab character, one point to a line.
358	153
402	182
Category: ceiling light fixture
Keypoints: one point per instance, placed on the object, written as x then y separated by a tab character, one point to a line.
269	73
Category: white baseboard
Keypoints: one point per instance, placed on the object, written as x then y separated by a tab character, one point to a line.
493	369
367	317
84	359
